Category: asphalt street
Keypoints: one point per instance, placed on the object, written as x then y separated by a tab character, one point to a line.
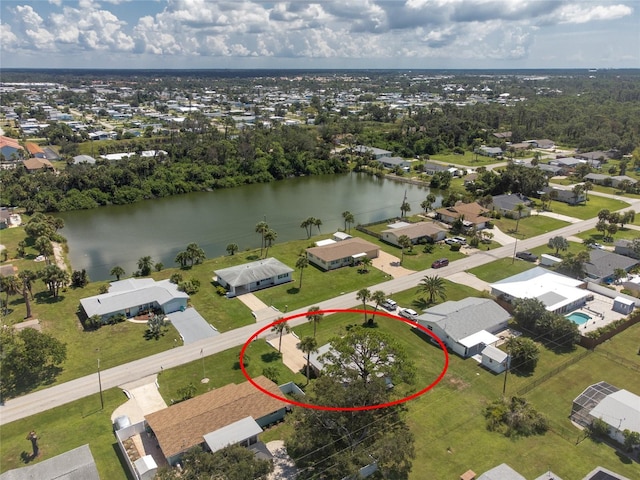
57	395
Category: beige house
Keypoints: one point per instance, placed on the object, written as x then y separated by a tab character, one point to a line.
417	232
340	254
473	215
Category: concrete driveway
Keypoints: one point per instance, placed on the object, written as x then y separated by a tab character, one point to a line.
469	280
283	466
144	398
390	265
192	326
292	356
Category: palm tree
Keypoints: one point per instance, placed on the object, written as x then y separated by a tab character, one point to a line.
307	225
117	272
519	208
302	263
588	186
577	191
308	345
144	265
364	295
232	248
365	264
195	254
181	258
348	219
404	208
315	317
44	247
378	297
11	286
433	286
405	242
269	237
261	228
317	222
559	243
27	277
281	328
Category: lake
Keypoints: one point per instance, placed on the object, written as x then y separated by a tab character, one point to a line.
104	237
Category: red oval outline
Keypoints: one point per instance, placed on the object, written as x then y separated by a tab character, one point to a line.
347	409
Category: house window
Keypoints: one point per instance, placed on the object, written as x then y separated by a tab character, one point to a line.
281	276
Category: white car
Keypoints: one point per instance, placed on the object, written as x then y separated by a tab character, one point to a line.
389	304
408	313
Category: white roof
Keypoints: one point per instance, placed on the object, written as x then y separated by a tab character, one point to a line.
620	409
233	433
341	235
495	353
145	464
322	243
552	289
479	337
359	255
624	301
252	272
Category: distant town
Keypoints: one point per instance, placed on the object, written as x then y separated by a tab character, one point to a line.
483	326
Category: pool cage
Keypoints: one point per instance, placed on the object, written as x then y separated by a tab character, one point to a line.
588	400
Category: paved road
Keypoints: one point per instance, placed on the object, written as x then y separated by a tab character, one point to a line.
40	401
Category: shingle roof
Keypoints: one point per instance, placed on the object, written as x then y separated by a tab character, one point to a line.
509	202
602	263
465	317
76	464
183	425
252	272
416	230
343	249
36	163
501	472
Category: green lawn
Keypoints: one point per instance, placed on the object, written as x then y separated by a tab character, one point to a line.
588	210
529	226
468	159
501	269
625	233
64	428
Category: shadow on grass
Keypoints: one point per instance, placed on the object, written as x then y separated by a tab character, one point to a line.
47	298
26	457
293	290
623	458
253	257
271	357
123	462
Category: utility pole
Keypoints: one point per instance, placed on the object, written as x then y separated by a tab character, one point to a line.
515	247
100	386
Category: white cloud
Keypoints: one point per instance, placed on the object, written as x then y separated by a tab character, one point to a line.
581	13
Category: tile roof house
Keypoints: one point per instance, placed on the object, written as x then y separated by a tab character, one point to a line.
253	276
602	265
417	232
134	295
10	148
37	164
233	414
340	254
473	213
619	409
466	326
558	293
35	150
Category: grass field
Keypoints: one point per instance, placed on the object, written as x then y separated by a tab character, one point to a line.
624	233
468	159
588	210
529	226
500	269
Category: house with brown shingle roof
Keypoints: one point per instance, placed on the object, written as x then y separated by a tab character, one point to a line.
339	254
37	164
35	150
230	415
473	214
417	232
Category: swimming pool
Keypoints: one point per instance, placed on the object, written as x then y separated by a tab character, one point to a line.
579	318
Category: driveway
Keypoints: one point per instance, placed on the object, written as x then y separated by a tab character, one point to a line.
144	398
390	265
558	216
292	356
469	280
192	326
283	466
501	237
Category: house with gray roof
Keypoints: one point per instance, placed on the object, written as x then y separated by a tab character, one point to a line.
548	170
501	472
565	196
495	359
489	151
601	473
432	168
392	162
376	153
602	265
466	326
133	296
506	204
625	247
76	464
253	276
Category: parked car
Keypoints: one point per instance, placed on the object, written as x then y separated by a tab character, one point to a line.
389	304
528	256
450	241
460	240
441	262
408	313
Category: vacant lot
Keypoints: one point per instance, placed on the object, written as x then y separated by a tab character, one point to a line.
529	226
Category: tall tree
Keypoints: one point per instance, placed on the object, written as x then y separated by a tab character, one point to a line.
314	317
301	263
10	285
182	258
519	209
280	328
44	247
364	295
308	225
317	222
433	286
232	248
377	297
524	354
262	228
348	220
54	278
405	242
269	237
195	254
558	243
117	272
308	345
27	277
405	207
144	265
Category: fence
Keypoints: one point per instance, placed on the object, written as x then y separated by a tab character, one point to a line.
527	388
592	343
620	360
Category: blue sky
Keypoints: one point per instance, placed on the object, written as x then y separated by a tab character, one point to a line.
321	34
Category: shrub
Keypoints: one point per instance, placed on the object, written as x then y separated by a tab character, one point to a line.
176	278
455	247
474	242
598	428
220	290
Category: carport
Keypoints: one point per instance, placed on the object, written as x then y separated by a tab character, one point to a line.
192	326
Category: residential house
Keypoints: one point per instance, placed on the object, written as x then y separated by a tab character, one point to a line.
486	151
473	215
229	415
625	247
495	359
393	162
8	270
518	147
433	168
5	217
597	155
501	472
134	296
506	204
601	473
565	196
567	164
421	232
602	265
548	170
558	293
619	409
339	254
10	149
544	143
617	180
608	180
502	135
84	159
37	165
252	276
35	150
470	179
76	464
466	326
376	153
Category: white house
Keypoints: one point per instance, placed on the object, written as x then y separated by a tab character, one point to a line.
495	359
417	232
466	326
253	276
343	253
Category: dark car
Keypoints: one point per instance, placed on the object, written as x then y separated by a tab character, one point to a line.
528	256
441	262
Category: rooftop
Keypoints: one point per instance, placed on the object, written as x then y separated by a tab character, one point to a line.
252	272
